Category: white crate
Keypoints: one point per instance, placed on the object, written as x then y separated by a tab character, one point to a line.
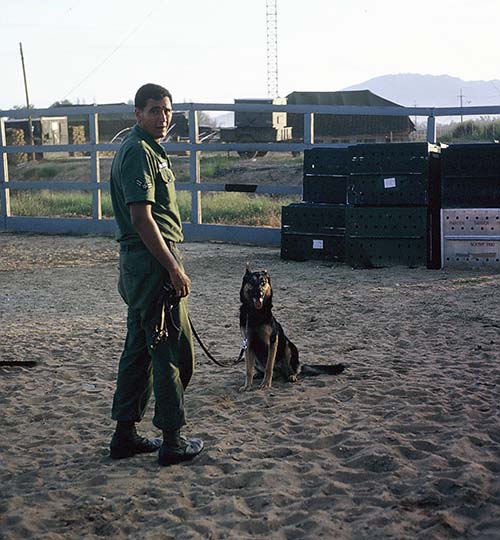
470	237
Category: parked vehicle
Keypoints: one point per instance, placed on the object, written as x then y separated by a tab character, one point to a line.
257	127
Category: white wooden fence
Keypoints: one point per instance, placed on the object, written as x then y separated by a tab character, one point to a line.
195	230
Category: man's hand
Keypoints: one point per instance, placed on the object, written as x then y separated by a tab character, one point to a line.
180	281
142	220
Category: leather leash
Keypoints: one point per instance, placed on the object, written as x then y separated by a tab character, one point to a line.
165	303
203	346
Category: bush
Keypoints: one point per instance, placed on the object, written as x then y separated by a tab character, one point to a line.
482	130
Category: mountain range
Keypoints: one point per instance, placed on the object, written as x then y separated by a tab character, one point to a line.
412	89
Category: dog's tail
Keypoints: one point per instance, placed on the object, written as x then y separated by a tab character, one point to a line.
317	369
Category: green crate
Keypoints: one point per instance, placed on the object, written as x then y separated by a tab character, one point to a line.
316	218
391	158
325	189
475	160
327	161
398	189
312	246
377	237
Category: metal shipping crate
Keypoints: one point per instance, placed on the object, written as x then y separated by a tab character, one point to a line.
313	231
315	218
469	160
393	158
325	189
398	189
470	237
312	246
403	174
327	161
470	176
378	237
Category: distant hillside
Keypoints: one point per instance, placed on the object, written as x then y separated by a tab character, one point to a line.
409	89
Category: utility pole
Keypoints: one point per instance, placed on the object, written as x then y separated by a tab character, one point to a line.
30	121
461	96
272	47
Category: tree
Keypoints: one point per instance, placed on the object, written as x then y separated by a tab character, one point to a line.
204	119
63	103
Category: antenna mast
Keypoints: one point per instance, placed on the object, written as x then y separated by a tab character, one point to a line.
272	47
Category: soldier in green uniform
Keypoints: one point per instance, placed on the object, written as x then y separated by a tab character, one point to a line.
149	228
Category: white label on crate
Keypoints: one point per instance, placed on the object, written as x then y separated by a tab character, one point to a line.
389	182
317	244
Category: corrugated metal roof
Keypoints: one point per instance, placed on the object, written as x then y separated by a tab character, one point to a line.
361	98
348	125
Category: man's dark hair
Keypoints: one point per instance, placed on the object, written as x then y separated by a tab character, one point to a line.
150	91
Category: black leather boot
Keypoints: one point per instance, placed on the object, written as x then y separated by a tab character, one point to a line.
176	448
126	442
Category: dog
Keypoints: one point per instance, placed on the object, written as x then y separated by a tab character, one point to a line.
267	348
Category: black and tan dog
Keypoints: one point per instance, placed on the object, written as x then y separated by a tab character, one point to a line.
267	349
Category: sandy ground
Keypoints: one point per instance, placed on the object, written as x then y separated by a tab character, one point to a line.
404	445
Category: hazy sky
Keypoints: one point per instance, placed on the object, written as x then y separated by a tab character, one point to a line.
215	50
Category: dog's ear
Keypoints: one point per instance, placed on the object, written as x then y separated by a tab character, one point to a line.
248	270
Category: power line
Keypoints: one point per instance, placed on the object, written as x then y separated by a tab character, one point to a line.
495	87
116	49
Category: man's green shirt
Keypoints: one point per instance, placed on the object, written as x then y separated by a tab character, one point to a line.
141	172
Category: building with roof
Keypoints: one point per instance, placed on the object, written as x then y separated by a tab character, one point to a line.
349	128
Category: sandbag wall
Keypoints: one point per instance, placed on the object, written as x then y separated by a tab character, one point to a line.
470	197
372	205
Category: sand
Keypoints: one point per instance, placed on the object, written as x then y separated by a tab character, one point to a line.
404	445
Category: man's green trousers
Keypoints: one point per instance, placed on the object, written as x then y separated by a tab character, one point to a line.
165	368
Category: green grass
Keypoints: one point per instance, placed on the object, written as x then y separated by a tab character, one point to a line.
45	171
221	208
243	209
210	166
45	203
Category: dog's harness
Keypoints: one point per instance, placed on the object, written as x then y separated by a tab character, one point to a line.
165	325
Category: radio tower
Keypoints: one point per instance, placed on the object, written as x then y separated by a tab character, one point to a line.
272	47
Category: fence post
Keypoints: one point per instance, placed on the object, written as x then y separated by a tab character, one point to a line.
95	166
194	167
431	129
4	178
309	128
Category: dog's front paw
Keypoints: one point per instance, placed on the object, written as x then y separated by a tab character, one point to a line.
265	385
292	378
245	388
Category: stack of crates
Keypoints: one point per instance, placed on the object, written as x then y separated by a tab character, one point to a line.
367	205
393	206
315	228
470	197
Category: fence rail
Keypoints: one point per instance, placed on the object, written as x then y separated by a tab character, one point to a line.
196	229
